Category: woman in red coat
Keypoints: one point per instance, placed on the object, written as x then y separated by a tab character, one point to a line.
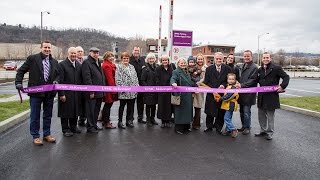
109	70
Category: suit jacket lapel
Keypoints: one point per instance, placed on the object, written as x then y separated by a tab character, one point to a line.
39	63
269	69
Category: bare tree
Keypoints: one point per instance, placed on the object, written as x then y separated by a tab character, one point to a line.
139	41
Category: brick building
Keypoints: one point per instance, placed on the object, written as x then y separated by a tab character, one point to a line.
208	50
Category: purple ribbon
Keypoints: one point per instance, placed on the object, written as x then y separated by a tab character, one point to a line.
72	87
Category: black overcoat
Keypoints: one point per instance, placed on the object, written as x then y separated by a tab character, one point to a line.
148	78
214	79
69	75
164	99
92	74
270	101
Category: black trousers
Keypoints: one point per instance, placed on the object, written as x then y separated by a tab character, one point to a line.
150	111
140	105
92	111
106	112
130	109
68	124
82	109
197	117
218	120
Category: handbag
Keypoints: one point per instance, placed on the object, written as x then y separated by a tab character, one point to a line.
176	100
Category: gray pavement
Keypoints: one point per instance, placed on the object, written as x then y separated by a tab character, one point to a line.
155	153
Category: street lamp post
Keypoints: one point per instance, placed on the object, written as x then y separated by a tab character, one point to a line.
45	12
260	35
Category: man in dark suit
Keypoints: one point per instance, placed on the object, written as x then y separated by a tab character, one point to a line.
138	62
43	69
68	105
215	77
92	74
269	75
248	78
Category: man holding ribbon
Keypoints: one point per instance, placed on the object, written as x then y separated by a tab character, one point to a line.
43	69
68	104
269	75
215	77
92	74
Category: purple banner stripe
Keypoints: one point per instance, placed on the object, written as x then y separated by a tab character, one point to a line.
72	87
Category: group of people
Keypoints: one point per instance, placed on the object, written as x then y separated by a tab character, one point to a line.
77	107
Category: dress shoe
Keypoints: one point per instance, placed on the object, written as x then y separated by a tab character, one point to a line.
129	124
49	139
268	137
208	130
260	134
195	128
189	130
234	133
226	133
219	131
92	130
154	122
240	130
121	126
68	133
76	130
81	123
168	125
246	131
98	128
37	142
179	132
149	124
163	125
140	120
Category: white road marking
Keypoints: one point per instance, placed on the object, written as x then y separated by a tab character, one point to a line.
303	90
291	95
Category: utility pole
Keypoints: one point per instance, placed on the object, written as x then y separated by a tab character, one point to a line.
170	27
159	38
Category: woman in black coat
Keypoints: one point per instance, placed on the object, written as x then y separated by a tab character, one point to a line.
148	78
234	69
163	75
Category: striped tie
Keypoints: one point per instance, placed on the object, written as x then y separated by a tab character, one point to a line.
46	69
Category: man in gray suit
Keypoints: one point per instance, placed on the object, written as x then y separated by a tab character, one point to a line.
248	78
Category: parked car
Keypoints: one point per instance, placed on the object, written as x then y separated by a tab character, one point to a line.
10	65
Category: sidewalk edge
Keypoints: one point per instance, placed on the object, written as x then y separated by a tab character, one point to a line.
300	110
11	122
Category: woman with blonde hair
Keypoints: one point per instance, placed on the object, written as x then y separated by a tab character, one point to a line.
148	78
183	112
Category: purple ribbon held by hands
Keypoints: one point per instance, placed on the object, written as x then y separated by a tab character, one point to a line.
93	88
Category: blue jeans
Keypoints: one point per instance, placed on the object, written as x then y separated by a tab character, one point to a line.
228	121
245	116
35	106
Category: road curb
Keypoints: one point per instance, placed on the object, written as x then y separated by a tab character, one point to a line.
8	123
300	110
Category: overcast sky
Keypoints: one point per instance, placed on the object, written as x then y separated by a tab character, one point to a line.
294	25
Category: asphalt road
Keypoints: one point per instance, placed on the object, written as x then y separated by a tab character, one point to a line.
155	153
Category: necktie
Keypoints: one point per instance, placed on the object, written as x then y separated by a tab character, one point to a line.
46	69
265	68
218	69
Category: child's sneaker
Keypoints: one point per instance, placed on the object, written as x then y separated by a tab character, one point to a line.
234	133
226	133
